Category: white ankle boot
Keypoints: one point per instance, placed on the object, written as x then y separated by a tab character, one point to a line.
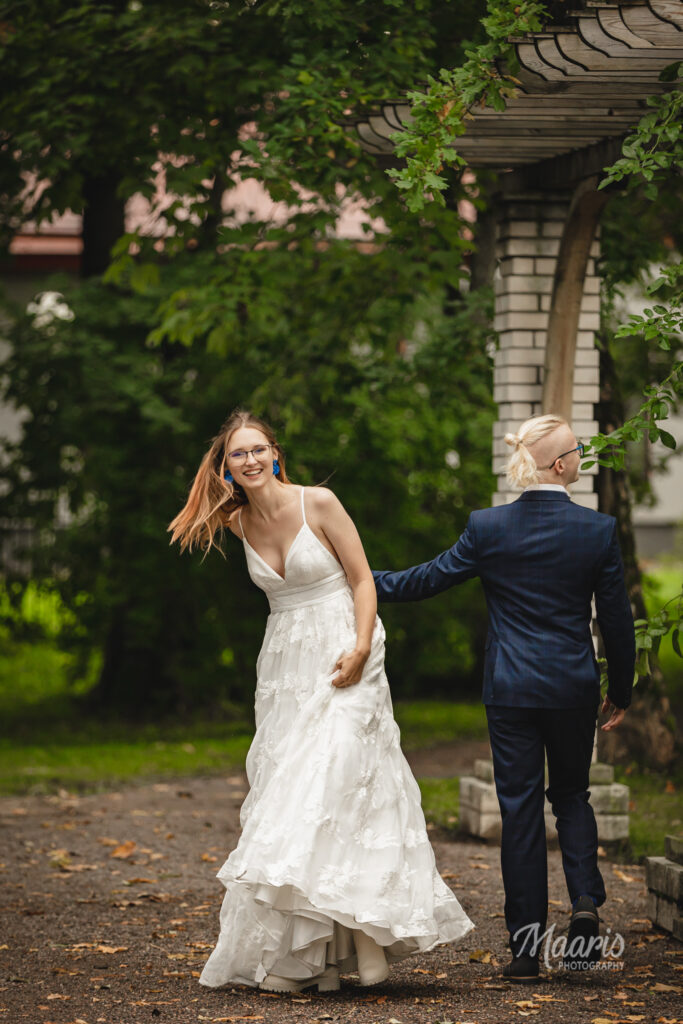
372	963
328	981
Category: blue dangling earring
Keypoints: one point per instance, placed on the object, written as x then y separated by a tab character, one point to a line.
228	478
276	468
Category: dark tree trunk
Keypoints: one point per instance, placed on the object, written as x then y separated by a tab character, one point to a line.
483	259
103	222
646	734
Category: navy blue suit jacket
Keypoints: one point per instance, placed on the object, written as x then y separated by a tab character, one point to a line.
540	559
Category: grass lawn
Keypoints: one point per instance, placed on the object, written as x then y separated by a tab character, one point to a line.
44	746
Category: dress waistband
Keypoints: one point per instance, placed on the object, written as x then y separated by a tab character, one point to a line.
310	593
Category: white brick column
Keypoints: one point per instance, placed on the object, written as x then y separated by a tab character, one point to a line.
528	241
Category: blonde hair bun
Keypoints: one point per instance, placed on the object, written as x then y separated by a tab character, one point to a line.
514	440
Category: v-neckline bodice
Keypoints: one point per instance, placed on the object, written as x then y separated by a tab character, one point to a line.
283	578
284	564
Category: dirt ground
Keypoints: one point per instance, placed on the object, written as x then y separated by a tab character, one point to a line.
110	904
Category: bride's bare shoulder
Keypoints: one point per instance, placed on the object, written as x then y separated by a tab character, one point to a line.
234	523
321	499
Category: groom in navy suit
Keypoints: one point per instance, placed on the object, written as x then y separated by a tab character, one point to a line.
541	559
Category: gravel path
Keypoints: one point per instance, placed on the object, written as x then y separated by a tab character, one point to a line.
110	903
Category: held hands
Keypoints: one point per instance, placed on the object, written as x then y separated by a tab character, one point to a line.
350	667
615	718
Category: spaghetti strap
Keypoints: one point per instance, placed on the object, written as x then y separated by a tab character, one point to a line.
303	510
239	519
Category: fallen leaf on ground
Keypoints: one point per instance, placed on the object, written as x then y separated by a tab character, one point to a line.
59	858
207	856
154	1002
623	876
481	956
124	849
659	987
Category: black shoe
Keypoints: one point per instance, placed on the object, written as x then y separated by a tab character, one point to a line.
583	947
521	968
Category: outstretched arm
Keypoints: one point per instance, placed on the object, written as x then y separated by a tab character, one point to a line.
615	620
455	565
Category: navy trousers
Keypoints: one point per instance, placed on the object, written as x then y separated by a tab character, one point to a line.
520	740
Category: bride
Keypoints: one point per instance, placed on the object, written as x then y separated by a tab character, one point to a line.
333	870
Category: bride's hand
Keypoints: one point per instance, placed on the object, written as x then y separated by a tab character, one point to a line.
350	667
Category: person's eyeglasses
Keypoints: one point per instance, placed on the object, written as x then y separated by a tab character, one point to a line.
580	448
260	452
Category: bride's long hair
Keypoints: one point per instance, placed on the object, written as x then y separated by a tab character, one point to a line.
211	501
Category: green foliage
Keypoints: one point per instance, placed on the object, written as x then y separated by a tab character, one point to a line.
117	429
661	399
439	115
655	148
661	323
662	584
664	622
652	158
101	469
370	364
172	92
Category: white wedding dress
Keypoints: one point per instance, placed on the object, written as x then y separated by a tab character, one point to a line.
333	834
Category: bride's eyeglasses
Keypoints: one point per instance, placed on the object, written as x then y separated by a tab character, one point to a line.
580	448
260	452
